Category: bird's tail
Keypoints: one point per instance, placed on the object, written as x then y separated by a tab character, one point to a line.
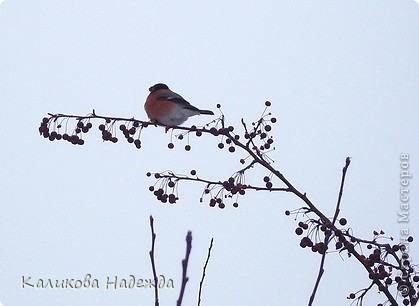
205	112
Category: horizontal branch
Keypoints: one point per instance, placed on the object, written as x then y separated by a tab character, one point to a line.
219	183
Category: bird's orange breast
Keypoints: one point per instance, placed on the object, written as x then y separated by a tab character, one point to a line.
156	108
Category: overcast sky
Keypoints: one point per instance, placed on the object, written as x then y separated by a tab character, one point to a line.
343	80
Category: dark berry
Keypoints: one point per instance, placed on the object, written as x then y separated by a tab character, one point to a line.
220	145
299	231
232	149
267	103
193	172
214	131
172	198
171	145
74	139
187	147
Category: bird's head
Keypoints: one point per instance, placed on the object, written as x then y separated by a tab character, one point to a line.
158	86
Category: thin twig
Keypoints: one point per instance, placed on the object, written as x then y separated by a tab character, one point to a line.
345	168
185	267
203	272
327	237
153	264
319	276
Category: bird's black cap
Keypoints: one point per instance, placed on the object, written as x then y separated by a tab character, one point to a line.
158	86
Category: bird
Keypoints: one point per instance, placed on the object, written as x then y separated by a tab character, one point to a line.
168	108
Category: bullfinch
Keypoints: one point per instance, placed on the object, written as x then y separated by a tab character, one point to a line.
168	108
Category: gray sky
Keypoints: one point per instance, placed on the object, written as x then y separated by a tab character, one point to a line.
343	80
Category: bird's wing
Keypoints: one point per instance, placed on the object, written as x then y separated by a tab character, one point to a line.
172	96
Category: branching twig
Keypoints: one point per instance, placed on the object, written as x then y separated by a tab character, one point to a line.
185	267
153	264
203	272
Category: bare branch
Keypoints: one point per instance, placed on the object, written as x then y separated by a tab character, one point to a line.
203	272
327	237
185	267
345	168
153	264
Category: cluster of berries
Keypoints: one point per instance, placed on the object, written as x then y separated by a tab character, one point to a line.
128	131
233	186
328	230
49	129
408	280
378	261
161	193
261	130
55	134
